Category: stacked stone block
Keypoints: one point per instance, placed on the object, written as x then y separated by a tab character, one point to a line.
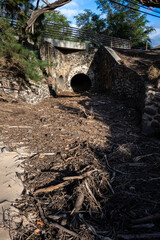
66	63
151	113
13	89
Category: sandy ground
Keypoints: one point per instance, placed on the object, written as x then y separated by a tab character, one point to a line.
11	185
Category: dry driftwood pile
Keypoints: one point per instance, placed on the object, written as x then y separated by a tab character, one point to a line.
93	175
87	193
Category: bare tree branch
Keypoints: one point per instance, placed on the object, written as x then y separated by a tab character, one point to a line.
46	2
36	13
150	3
37	4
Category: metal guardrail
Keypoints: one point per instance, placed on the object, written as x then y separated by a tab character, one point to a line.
61	32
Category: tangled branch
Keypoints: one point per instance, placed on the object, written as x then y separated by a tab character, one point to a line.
150	3
49	7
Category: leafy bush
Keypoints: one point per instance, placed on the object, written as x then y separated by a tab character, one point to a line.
18	58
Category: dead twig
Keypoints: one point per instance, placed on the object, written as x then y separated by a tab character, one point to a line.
113	169
33	234
68	159
78	204
42	215
56	225
139	236
136	159
89	116
51	188
63	184
92	229
147	219
73	149
87	174
91	194
110	186
140	226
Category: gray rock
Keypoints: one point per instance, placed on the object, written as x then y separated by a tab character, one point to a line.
146	117
30	131
150	111
5	149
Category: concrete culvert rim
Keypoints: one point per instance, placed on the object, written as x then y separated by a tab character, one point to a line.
81	83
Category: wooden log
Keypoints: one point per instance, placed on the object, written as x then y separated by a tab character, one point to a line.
51	188
35	14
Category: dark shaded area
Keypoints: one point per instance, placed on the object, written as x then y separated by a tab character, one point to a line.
80	83
52	91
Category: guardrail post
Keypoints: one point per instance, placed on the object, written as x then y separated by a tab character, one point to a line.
111	42
63	32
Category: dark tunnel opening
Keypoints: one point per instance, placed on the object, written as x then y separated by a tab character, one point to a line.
80	83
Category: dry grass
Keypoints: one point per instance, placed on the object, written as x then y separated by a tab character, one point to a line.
153	73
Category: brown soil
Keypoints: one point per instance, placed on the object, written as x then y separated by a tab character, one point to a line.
113	169
139	60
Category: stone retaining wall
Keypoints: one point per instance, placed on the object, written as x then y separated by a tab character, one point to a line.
13	89
114	77
106	72
102	66
151	113
65	64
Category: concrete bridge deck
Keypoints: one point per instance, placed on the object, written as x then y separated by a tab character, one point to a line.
67	44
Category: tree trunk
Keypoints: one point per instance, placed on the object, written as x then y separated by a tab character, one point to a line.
36	13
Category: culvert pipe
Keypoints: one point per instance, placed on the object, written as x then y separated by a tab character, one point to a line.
81	83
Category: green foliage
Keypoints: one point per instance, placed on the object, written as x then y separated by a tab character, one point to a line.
91	21
124	22
20	10
56	17
18	58
17	9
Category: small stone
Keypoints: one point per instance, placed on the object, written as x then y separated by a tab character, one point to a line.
76	135
5	149
150	91
146	117
64	222
150	111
